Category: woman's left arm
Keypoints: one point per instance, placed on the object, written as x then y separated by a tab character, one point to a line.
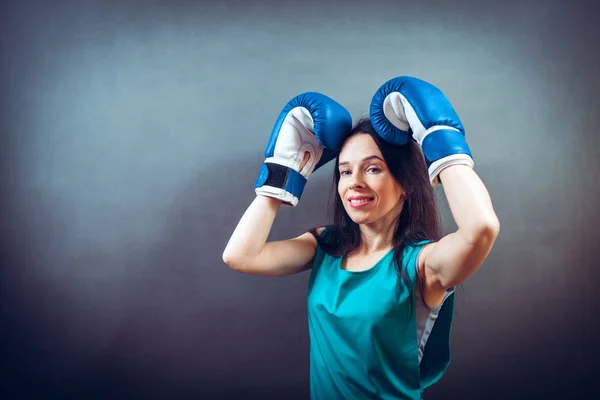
454	258
404	102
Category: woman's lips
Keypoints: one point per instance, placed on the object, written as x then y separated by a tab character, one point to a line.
359	201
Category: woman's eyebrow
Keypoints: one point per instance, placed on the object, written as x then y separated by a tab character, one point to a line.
363	160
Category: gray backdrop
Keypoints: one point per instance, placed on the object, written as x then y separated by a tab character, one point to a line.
133	132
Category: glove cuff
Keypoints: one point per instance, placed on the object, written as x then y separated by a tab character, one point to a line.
443	141
438	166
281	182
276	193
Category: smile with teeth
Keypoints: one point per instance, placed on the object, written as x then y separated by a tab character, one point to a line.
360	201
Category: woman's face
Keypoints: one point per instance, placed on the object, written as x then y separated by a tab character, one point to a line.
367	188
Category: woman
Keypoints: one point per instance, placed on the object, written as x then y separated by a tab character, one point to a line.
381	289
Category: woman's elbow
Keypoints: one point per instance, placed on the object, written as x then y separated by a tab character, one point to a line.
488	230
484	231
232	261
492	226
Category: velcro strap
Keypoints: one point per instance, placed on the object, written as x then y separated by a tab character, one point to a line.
281	177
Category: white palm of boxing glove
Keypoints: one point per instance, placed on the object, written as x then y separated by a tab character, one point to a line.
308	134
403	116
296	139
410	104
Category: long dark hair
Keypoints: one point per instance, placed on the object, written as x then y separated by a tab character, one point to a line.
419	219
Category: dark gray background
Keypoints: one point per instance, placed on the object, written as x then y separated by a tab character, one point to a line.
133	132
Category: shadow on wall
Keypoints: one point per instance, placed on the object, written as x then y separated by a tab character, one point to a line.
165	316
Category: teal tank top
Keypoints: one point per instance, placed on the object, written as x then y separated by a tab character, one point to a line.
363	332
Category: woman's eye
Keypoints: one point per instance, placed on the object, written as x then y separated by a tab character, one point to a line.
373	170
344	173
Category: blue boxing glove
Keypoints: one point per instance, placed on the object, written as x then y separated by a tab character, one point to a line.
404	105
310	125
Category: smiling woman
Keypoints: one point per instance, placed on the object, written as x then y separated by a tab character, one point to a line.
373	191
382	279
366	183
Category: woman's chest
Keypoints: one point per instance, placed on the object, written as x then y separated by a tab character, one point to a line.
365	297
359	263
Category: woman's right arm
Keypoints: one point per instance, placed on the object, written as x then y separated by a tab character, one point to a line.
248	251
307	126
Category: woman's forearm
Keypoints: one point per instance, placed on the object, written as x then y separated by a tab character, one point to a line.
251	233
469	202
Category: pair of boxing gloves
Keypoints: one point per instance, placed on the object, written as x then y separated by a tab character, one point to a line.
312	127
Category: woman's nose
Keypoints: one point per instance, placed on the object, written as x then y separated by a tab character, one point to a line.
357	181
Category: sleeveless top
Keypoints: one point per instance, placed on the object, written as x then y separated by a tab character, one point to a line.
365	338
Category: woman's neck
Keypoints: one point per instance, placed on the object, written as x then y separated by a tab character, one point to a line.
375	239
379	235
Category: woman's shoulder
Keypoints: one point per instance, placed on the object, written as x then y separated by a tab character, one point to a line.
329	237
318	231
412	249
410	244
